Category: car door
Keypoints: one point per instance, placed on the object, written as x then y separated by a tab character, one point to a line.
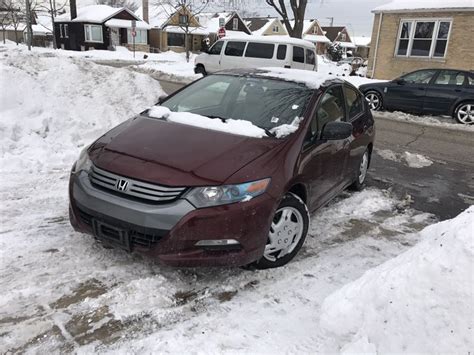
443	93
324	162
358	115
213	60
408	92
298	58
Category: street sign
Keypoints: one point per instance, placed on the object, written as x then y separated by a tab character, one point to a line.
221	22
134	25
221	32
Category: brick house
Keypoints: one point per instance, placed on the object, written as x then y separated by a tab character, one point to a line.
421	34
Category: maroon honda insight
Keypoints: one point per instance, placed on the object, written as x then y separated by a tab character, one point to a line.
227	170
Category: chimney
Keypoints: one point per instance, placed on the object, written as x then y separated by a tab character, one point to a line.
145	11
73	9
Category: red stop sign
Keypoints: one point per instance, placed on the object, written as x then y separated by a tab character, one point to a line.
134	33
221	32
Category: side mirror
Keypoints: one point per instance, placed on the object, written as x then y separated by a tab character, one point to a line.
400	81
336	131
161	99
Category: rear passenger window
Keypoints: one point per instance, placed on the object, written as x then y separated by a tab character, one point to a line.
260	50
450	77
310	57
281	52
298	54
354	102
235	49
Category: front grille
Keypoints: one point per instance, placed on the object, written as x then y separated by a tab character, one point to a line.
134	188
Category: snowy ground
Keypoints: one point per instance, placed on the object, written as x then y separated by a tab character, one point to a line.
63	292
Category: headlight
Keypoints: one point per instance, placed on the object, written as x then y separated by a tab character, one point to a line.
83	163
222	195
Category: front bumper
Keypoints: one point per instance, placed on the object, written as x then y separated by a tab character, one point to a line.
169	232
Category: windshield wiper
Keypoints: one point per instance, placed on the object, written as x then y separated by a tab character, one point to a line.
267	131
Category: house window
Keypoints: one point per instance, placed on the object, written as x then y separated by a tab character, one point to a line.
176	39
183	19
276	29
66	32
140	38
235	24
343	37
93	33
423	38
61	31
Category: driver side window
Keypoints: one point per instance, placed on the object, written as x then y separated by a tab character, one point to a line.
419	77
216	48
330	108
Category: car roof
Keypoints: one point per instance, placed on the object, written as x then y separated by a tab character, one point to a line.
311	79
270	39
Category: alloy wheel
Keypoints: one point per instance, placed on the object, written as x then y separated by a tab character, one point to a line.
285	233
373	100
364	165
466	114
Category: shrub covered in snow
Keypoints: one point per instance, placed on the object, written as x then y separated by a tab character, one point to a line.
421	301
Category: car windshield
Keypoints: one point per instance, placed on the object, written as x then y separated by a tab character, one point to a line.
266	103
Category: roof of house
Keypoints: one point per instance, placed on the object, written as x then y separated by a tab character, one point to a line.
306	24
316	38
157	14
425	5
118	23
332	32
361	41
94	14
258	25
210	21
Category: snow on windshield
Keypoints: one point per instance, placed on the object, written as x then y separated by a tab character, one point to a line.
240	127
313	80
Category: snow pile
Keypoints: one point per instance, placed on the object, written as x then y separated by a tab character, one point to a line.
434	121
241	127
401	5
287	129
55	105
419	302
412	160
311	79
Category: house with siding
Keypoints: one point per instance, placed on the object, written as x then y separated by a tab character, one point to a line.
313	32
362	46
100	27
266	26
410	35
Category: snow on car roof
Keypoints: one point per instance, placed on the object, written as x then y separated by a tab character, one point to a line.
407	5
275	39
311	79
93	14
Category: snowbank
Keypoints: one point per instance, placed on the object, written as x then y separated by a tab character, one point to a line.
241	127
52	106
419	302
412	160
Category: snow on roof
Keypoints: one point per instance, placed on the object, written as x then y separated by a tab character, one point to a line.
40	30
260	25
93	14
275	39
157	14
316	38
193	30
420	5
306	24
117	23
361	41
311	79
346	44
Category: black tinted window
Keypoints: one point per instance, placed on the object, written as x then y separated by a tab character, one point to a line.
331	107
298	54
260	50
354	102
281	53
310	57
235	49
216	48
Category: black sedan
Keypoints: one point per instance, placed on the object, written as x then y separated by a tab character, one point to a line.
428	91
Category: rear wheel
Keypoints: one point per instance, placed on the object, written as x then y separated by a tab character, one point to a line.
287	233
374	100
359	183
464	112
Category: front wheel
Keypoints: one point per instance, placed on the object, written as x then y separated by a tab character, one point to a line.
287	233
464	113
374	100
359	183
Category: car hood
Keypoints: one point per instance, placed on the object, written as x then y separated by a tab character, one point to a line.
175	154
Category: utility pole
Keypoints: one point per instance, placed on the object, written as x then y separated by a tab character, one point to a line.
29	30
332	20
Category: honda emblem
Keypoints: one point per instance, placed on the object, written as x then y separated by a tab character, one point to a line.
122	185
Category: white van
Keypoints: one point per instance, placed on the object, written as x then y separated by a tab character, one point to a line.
257	52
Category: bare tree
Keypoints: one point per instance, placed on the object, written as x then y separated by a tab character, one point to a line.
187	12
129	4
298	10
53	9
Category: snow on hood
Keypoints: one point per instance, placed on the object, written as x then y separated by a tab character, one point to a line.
311	79
419	301
240	127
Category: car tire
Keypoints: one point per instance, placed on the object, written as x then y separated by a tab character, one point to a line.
201	70
374	100
292	218
464	113
361	177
